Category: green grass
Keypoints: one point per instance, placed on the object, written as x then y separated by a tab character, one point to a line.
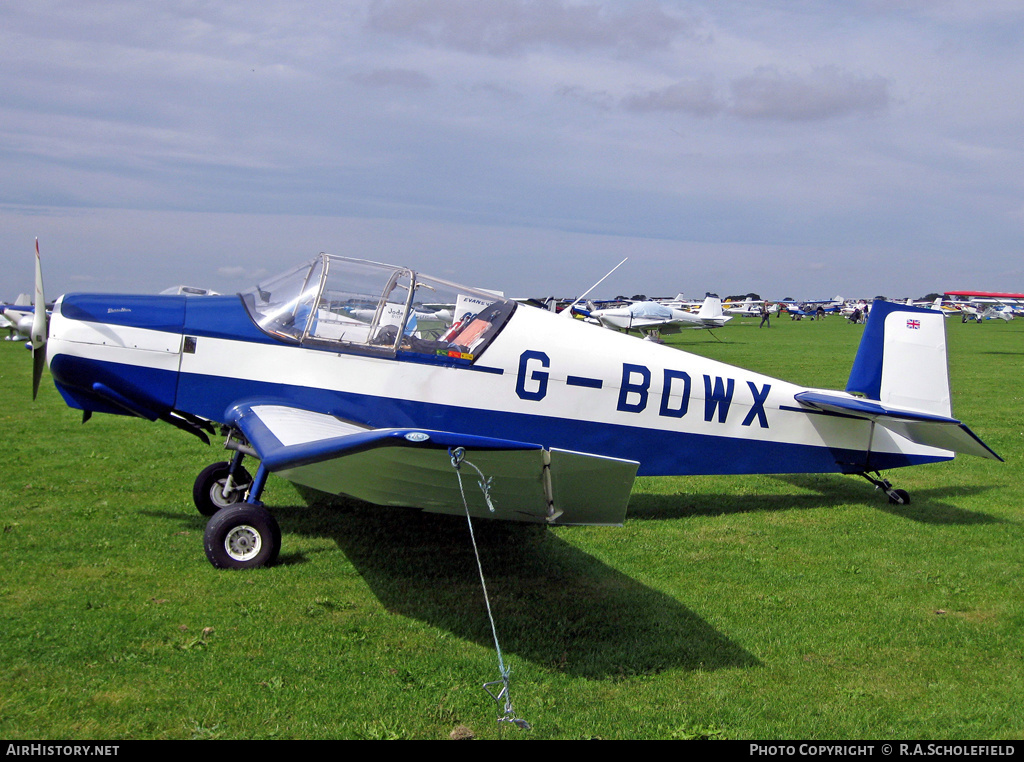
759	607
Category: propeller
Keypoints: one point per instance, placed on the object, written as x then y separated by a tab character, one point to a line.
39	329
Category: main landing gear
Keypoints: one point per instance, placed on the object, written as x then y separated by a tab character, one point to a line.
896	496
242	537
218	486
241	533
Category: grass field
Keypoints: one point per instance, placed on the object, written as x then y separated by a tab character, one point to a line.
740	608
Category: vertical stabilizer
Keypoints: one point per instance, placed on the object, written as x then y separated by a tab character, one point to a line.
901	360
712	307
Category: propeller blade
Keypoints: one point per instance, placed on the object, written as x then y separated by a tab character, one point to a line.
38	363
38	336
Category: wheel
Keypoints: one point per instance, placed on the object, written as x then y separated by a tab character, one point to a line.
900	497
242	537
207	492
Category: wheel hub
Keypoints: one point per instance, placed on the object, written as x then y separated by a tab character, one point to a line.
242	543
217	494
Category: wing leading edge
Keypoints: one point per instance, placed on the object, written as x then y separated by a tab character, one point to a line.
412	467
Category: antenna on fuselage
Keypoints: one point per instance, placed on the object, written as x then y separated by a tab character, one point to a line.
581	297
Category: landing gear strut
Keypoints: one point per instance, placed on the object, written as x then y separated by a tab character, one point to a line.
241	533
896	496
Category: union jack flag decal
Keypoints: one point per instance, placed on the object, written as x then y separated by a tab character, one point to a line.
913	324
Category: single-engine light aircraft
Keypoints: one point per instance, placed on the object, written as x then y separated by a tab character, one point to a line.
376	381
653	318
17	318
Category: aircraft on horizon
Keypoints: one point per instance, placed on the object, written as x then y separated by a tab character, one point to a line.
189	291
810	307
18	317
749	308
985	305
557	416
653	318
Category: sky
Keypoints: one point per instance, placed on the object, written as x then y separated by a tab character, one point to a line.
789	148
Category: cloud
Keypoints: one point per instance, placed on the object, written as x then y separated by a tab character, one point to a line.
560	115
237	273
826	93
401	78
695	96
509	27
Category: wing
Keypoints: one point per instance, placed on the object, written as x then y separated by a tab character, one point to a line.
923	428
413	467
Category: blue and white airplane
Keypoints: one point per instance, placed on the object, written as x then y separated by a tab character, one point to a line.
342	375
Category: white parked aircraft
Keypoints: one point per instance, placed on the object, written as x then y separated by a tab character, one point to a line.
651	318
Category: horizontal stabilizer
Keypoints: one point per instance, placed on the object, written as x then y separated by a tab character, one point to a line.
413	468
923	428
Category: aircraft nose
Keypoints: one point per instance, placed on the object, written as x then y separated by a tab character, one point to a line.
117	354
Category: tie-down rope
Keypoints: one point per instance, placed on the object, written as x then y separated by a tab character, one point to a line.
458	457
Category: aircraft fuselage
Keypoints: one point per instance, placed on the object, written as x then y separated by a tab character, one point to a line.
544	379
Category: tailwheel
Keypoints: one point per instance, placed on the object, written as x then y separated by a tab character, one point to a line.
208	492
242	537
896	496
899	497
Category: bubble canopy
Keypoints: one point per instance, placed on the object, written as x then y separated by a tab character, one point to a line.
347	304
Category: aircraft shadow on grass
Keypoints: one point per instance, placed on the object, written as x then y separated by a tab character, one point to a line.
929	506
553	604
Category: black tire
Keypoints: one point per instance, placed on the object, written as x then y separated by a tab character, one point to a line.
904	497
242	537
206	492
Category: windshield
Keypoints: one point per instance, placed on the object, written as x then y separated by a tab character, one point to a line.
281	304
341	303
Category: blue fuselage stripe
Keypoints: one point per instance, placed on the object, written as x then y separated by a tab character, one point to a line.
659	452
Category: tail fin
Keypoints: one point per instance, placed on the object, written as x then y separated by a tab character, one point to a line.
901	360
711	308
901	368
